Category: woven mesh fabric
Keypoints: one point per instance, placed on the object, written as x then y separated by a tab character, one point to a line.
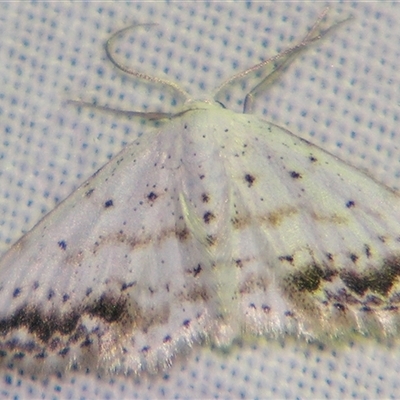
343	95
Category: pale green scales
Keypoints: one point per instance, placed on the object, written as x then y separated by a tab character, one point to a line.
213	226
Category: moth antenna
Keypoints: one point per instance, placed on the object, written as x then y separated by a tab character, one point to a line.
279	62
135	73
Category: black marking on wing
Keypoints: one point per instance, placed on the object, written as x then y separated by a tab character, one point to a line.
152	196
250	179
195	271
312	158
62	244
377	280
208	217
295	175
310	279
108	308
108	203
205	198
89	192
127	285
287	258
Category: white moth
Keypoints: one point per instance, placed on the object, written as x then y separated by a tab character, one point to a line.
215	226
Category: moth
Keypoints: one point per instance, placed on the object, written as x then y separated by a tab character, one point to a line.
213	226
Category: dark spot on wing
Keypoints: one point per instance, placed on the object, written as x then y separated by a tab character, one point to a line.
249	179
145	349
127	285
239	263
69	323
372	300
62	244
167	339
312	158
289	313
64	351
210	240
287	258
339	306
108	308
294	175
205	198
182	234
266	308
208	217
108	203
354	258
89	192
350	204
152	196
87	342
309	280
41	355
196	270
16	292
366	309
19	356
